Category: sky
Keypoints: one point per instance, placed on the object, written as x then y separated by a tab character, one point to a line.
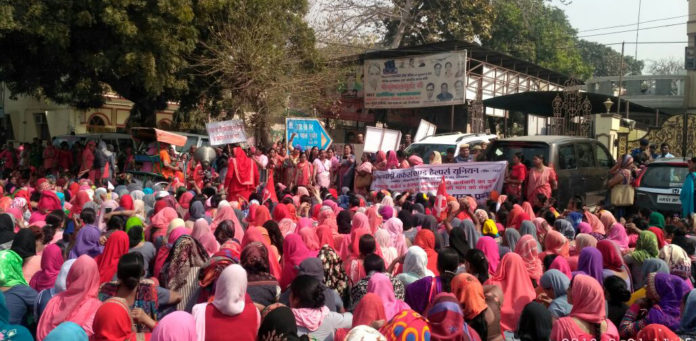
588	15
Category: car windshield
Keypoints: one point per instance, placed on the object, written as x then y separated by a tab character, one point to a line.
664	176
504	150
423	149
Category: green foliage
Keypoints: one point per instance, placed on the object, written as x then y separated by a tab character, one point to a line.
73	51
605	61
537	32
433	21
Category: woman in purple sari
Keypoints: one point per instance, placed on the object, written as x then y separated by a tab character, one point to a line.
422	292
346	168
591	263
665	289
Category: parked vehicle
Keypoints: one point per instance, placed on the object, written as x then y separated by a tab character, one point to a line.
119	141
442	142
193	140
582	164
659	186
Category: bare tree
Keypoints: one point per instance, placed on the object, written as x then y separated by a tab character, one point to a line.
666	66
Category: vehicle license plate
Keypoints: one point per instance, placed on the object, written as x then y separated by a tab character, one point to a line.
668	199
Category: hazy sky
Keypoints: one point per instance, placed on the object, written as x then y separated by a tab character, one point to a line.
586	15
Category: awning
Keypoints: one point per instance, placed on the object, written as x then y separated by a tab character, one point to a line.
153	134
540	103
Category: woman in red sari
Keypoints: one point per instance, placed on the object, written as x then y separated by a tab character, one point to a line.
516	175
242	176
541	180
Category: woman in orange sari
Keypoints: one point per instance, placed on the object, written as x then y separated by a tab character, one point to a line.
303	176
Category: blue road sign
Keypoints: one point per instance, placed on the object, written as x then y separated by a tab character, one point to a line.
308	133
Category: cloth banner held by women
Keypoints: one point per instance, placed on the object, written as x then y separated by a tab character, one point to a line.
476	179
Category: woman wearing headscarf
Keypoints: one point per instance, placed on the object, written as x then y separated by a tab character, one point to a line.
559	263
420	293
555	243
201	232
510	239
527	249
665	294
381	285
445	320
51	262
373	218
555	285
232	309
617	294
165	249
656	219
590	263
312	316
262	287
490	249
535	323
646	247
587	319
613	263
18	294
657	332
435	158
512	277
67	331
678	261
425	239
458	241
334	274
565	227
159	225
649	266
180	270
6	231
227	213
310	238
87	241
196	211
45	295
478	314
294	252
389	253
11	331
369	311
617	234
395	227
242	176
116	246
176	326
256	234
659	233
528	228
78	303
687	324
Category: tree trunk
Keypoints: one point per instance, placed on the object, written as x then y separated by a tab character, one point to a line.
403	23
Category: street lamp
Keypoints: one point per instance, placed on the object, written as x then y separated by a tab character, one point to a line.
608	104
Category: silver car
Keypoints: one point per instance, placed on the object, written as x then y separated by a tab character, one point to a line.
659	186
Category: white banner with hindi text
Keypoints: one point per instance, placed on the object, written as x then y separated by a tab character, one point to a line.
476	179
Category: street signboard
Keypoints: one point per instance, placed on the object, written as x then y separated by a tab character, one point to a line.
308	133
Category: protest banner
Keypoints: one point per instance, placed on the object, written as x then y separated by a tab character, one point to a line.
226	132
476	179
425	129
307	133
415	81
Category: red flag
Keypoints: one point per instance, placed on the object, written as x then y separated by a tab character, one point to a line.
269	192
441	200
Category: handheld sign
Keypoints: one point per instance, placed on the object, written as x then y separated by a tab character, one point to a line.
308	133
226	132
377	139
425	129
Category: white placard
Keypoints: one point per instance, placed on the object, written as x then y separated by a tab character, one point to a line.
377	139
226	132
425	129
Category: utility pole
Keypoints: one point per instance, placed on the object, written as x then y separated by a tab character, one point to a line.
689	97
618	104
635	54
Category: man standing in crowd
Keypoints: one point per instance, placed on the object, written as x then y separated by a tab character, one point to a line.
464	154
664	151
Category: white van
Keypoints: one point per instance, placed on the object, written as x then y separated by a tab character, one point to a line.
442	142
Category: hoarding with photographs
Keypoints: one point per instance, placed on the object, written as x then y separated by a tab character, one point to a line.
415	81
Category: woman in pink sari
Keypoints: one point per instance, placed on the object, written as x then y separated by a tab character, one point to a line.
304	171
513	278
294	252
227	213
78	303
392	160
381	161
588	313
540	180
